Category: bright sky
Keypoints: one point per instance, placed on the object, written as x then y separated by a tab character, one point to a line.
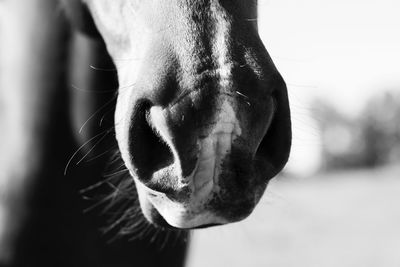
341	50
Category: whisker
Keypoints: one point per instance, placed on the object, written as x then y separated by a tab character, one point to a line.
138	232
102	69
126	86
79	149
123	208
101	154
244	96
119	167
241	94
116	173
115	158
114	224
94	186
94	146
166	239
94	114
99	203
155	235
103	117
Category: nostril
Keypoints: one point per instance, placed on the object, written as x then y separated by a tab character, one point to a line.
148	151
275	145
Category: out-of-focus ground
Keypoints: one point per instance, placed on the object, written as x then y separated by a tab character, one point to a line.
340	219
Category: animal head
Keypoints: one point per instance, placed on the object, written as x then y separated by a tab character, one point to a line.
202	117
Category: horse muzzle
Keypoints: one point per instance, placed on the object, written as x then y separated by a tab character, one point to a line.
202	141
198	164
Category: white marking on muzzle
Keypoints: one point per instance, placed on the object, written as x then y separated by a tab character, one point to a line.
213	150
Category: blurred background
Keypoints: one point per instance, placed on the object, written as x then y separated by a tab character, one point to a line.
338	201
